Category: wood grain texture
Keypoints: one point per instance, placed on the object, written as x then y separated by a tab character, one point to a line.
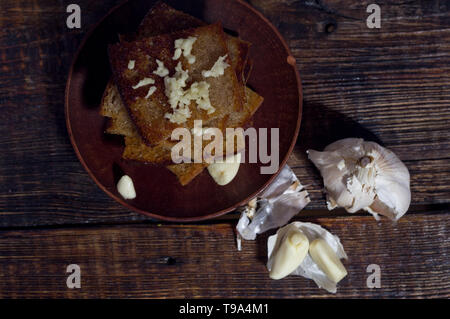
390	85
201	261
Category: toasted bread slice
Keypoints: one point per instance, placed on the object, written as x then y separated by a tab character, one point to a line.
239	56
112	106
248	67
136	149
163	19
186	172
148	113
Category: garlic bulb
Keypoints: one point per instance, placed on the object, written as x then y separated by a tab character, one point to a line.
363	175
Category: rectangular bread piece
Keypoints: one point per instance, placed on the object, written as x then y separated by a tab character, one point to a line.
164	19
148	112
160	19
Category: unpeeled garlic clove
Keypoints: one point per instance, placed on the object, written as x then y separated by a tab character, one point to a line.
290	253
363	175
224	172
326	259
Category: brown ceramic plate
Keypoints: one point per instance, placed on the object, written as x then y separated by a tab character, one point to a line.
159	194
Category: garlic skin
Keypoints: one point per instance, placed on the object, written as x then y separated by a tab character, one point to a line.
363	175
284	198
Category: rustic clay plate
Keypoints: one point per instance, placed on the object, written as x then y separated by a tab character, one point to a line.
159	194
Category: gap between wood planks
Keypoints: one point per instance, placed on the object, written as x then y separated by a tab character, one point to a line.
201	261
232	217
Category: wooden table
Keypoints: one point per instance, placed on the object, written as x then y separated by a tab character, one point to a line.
391	85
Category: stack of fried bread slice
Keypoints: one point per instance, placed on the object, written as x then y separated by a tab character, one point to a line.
140	116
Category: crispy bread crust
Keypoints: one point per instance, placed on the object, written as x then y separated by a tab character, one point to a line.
148	113
163	19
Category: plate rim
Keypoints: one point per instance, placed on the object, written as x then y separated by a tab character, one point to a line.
290	60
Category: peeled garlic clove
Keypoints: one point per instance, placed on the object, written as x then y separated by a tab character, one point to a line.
308	268
290	254
223	172
323	255
125	187
363	175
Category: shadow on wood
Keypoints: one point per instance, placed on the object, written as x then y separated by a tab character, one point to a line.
322	126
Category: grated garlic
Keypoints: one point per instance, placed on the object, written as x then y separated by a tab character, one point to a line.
151	90
161	71
184	46
144	82
180	99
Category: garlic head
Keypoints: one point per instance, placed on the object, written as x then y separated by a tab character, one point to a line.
363	175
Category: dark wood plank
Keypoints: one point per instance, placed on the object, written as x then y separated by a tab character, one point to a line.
42	181
202	261
390	85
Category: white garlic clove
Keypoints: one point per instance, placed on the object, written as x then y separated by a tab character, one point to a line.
309	268
223	172
324	256
363	175
125	187
290	253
